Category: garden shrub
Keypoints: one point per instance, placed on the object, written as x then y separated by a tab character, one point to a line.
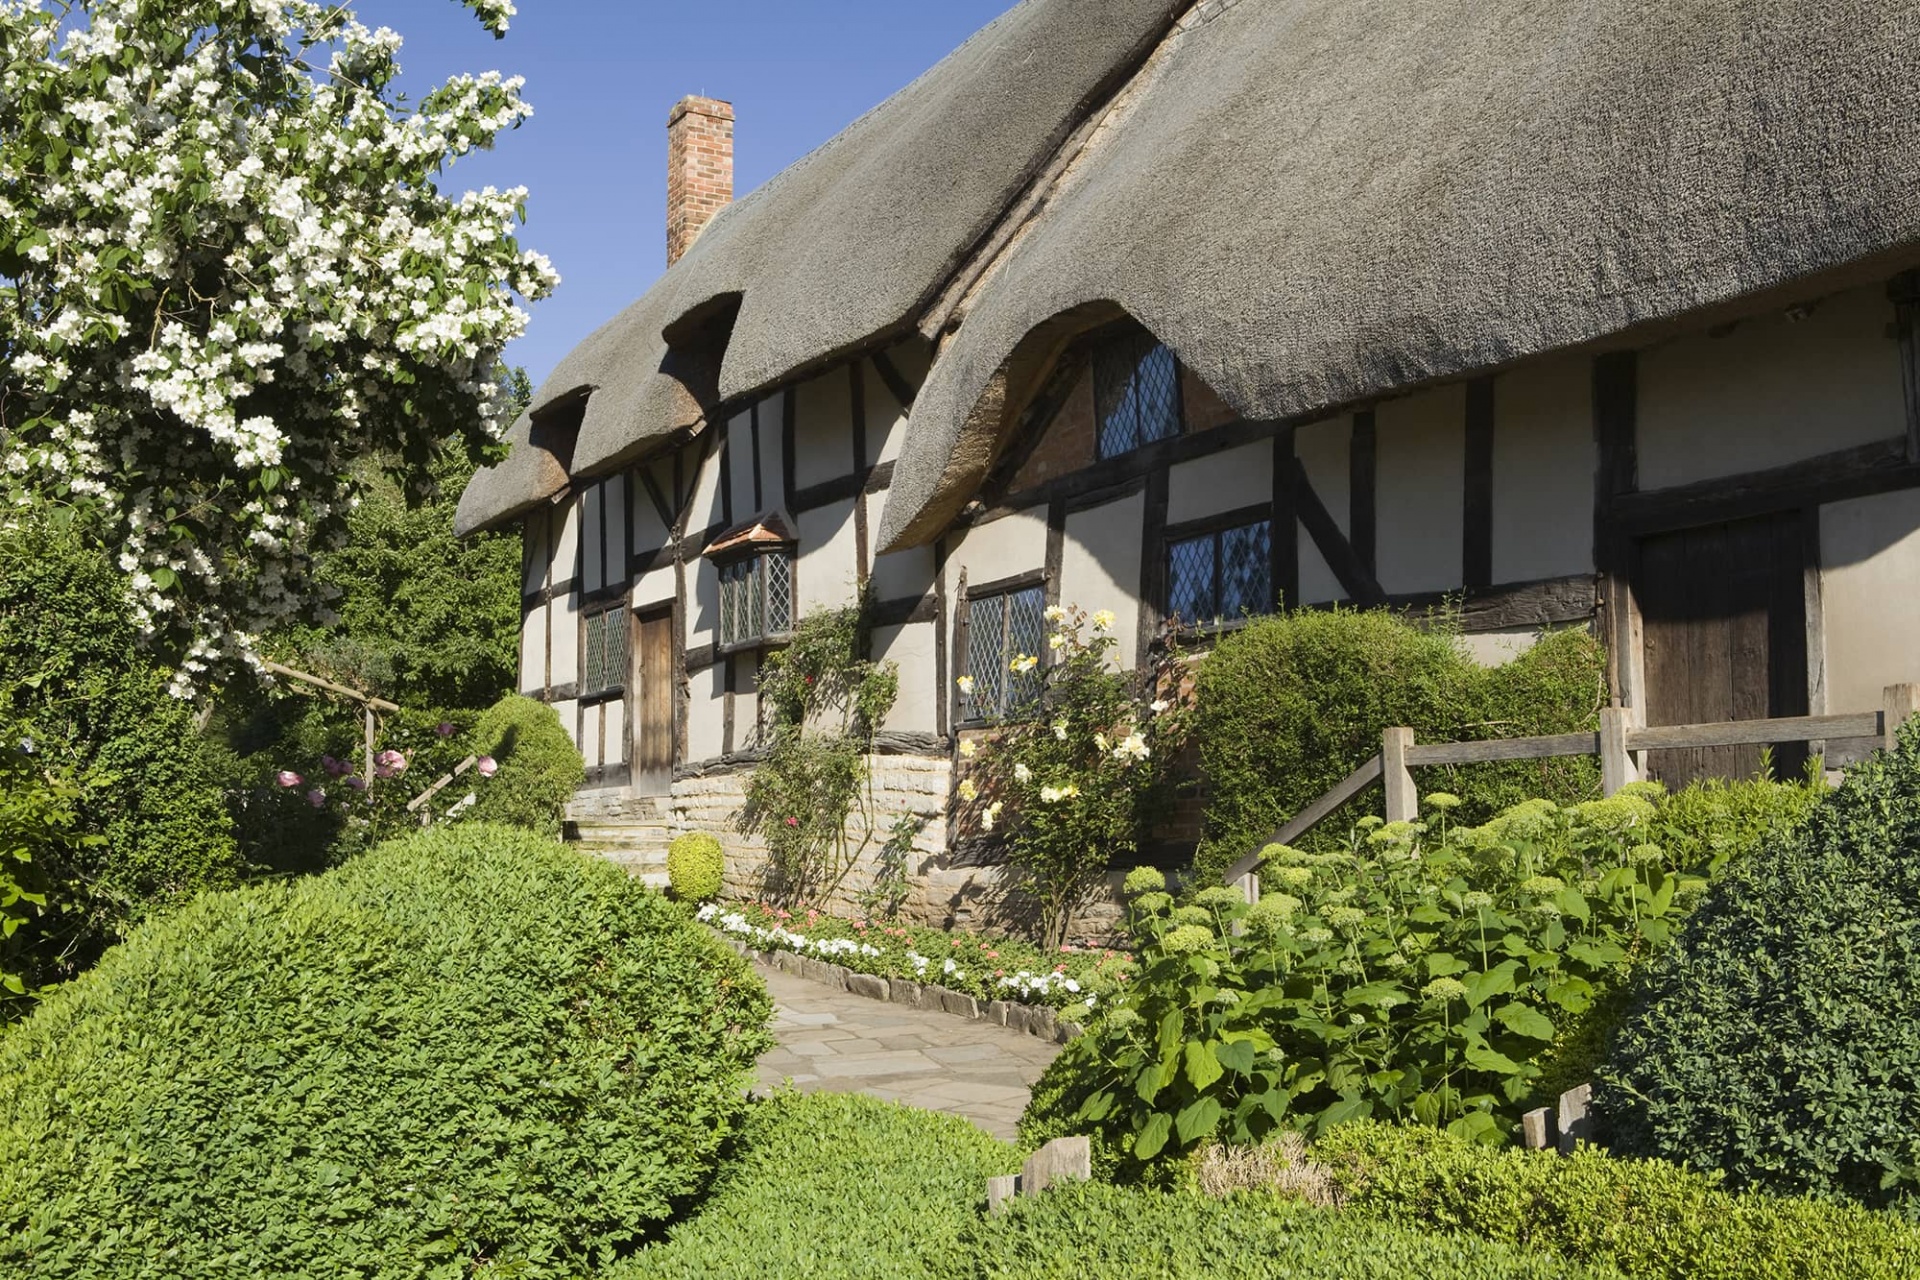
1289	705
1649	1219
468	1045
74	678
1780	1040
41	847
1092	1231
539	767
1419	975
834	1187
696	867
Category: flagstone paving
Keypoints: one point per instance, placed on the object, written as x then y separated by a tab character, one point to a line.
838	1042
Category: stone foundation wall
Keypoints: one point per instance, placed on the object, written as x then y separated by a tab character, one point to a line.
939	894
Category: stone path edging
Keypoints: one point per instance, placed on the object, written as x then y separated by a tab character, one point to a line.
1033	1019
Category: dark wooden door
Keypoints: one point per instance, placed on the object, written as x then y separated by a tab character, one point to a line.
1724	628
653	703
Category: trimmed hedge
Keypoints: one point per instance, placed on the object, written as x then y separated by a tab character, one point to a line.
834	1187
696	867
1289	705
540	768
470	1044
1093	1231
1650	1219
1779	1039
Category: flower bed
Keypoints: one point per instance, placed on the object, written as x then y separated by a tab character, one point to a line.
1070	979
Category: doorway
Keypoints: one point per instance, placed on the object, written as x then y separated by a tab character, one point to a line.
1724	637
653	702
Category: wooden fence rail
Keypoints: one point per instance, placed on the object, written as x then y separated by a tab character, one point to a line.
1619	742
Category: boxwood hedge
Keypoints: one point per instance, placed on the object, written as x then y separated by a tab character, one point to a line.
468	1047
539	767
1779	1039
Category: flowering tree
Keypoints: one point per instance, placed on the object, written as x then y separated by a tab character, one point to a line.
227	270
1071	782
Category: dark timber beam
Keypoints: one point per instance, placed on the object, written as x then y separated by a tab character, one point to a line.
1355	579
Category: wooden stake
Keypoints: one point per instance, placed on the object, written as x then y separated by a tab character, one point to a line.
1403	802
1897	704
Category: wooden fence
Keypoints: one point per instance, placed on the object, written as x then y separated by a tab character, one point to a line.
1621	742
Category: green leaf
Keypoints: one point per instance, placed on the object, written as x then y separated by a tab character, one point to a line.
1152	1136
1481	1058
1348	1108
1442	965
1197	1119
1202	1067
1497	981
1524	1020
1236	1056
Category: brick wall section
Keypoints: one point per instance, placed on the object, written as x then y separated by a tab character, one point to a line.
699	168
1203	409
1066	443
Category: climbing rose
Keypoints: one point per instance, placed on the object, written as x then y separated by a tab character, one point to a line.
487	766
288	778
317	798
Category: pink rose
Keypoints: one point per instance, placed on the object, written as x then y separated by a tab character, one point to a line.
317	798
357	783
444	729
333	767
288	778
487	766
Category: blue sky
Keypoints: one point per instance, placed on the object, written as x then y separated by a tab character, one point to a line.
601	75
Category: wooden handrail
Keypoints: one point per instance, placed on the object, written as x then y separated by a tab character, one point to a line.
1617	742
293	673
434	790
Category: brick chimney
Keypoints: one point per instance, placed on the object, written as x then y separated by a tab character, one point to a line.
699	168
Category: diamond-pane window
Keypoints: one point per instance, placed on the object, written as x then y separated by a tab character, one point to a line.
1001	628
603	651
756	598
1221	576
1136	392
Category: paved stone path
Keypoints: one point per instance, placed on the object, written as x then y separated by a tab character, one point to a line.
843	1043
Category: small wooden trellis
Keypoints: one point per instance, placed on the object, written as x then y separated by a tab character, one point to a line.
368	704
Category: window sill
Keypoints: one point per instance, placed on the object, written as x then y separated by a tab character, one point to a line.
778	640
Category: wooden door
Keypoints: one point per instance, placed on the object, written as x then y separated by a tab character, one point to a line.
1723	616
652	704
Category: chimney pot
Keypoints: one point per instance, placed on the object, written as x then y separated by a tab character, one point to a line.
699	168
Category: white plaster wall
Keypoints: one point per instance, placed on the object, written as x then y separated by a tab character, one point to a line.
999	549
899	575
564	665
1870	597
1325	453
740	464
568	713
746	699
1543	465
533	649
613	716
886	418
589	743
1100	566
772	469
653	587
650	533
1496	648
827	568
705	510
1420	494
706	713
912	648
536	559
566	542
592	539
703	602
1772	392
823	429
1220	482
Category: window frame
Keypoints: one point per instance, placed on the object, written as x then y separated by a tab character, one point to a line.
1142	346
756	559
590	616
969	711
1215	528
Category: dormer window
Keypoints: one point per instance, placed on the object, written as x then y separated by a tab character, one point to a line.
1136	392
755	561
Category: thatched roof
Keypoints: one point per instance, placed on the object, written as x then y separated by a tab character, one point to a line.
1317	201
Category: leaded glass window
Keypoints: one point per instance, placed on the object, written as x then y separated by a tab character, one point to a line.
603	651
1136	392
1003	628
1221	576
756	598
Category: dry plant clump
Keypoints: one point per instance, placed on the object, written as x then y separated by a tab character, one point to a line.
1279	1165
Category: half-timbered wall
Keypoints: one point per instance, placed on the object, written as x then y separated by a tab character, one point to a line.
1870	596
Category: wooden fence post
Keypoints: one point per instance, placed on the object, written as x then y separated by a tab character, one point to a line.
367	776
1616	762
1403	802
1898	703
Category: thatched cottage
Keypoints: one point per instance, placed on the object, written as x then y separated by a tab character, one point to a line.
1591	312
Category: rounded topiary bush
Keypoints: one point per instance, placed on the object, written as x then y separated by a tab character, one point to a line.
695	867
469	1044
539	768
1779	1039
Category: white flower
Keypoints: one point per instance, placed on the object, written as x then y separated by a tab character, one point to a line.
1053	795
966	685
1100	741
967	790
1056	613
1103	620
967	747
1022	774
1056	641
1023	663
1060	730
1133	746
991	816
1158	705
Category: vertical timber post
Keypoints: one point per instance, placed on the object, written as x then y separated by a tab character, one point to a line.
1898	703
1616	762
367	775
1403	802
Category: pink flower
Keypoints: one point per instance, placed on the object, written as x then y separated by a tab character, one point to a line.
357	783
334	768
991	955
288	778
444	729
317	798
1059	968
487	766
389	764
793	822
